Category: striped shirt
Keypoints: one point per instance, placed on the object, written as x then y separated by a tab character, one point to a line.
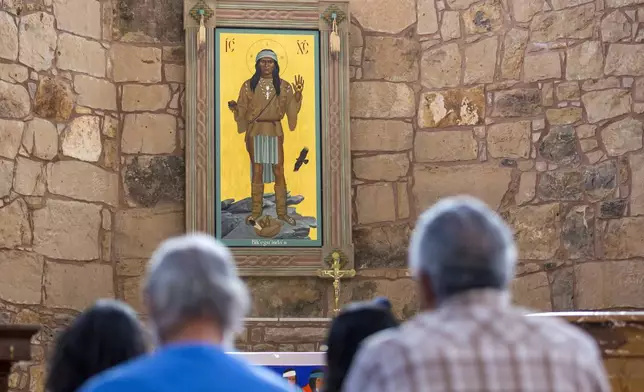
478	342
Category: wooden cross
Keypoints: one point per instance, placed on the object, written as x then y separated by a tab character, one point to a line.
336	273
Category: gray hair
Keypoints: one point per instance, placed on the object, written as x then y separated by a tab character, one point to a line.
194	277
461	244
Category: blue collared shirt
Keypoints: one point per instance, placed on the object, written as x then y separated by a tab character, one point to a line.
192	367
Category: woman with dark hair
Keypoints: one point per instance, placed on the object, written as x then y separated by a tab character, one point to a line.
101	337
354	324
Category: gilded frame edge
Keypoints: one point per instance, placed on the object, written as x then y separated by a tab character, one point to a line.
200	117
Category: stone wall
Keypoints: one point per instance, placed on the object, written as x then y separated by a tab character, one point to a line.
535	107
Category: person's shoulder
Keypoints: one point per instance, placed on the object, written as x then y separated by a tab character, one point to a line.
287	85
122	378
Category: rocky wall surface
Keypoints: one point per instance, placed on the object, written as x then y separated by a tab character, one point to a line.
534	106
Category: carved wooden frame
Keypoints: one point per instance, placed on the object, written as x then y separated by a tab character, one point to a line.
335	136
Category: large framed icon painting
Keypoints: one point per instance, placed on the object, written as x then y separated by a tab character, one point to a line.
267	138
268	159
304	371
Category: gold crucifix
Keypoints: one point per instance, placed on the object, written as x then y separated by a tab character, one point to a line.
336	273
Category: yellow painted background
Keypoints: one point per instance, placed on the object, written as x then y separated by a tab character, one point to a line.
234	71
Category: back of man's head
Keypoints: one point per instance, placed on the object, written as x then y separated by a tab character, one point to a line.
194	278
460	244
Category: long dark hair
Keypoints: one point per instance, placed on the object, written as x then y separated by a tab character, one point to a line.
103	336
258	74
354	324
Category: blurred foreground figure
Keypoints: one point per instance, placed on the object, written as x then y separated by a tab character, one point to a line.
354	324
105	335
197	303
469	337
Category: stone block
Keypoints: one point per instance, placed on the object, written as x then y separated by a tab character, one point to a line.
445	146
625	60
427	17
13	73
6	177
451	108
621	238
441	67
578	232
37	40
527	188
82	181
81	55
536	230
21	278
381	135
585	61
480	61
483	17
149	180
622	136
382	100
532	292
82	139
486	182
601	84
514	45
14	101
636	164
138	97
567	91
82	17
560	185
576	23
524	10
138	232
560	145
30	178
600	180
378	15
54	100
509	140
391	58
403	200
384	167
174	73
381	246
148	133
615	27
135	63
42	138
402	293
375	203
95	93
562	287
606	104
77	286
609	284
131	289
10	138
564	116
542	66
450	25
9	34
15	230
287	297
517	103
460	4
67	230
295	335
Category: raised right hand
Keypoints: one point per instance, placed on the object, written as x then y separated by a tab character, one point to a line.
232	105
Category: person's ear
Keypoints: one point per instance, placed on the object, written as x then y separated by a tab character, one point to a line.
427	296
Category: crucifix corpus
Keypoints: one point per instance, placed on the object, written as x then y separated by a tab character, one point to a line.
336	273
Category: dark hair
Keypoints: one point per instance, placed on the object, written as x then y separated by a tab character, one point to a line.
354	324
101	337
254	80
